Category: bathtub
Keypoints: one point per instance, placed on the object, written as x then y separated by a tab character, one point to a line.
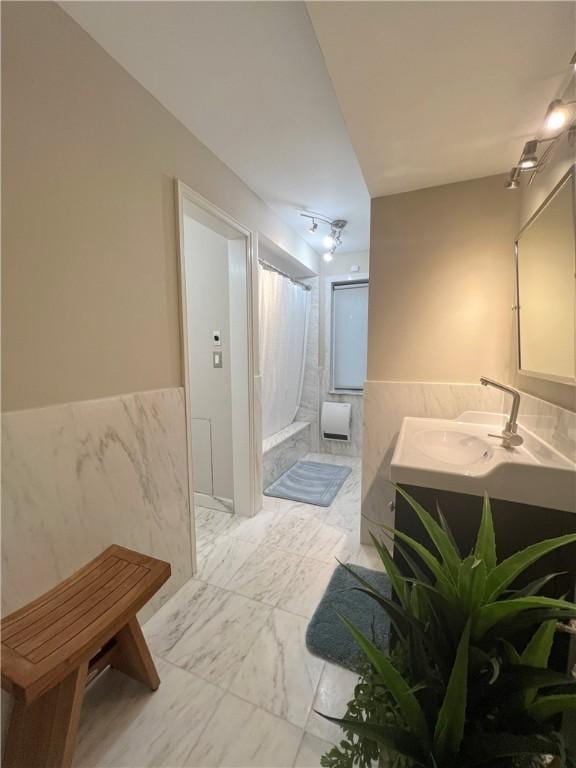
283	449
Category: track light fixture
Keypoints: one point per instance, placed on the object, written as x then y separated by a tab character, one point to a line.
514	179
558	119
557	116
529	158
333	239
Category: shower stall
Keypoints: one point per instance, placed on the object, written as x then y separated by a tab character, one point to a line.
284	309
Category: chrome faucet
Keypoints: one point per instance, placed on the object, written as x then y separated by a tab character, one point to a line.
509	435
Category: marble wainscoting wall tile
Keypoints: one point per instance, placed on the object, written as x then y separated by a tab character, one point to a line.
81	476
284	449
555	425
278	674
386	403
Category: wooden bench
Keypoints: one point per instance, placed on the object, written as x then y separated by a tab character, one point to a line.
56	644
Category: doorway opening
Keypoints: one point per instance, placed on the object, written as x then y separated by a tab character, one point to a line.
216	266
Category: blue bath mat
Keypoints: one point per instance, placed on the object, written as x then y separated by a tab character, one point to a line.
311	482
327	636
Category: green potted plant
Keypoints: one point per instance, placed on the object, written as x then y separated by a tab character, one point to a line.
459	688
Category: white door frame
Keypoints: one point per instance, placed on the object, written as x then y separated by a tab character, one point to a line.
244	460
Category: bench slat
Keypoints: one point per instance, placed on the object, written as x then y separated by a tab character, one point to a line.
30	625
47	639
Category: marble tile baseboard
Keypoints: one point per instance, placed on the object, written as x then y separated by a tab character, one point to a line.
386	403
80	476
282	450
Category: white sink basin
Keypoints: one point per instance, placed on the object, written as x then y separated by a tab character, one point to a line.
461	456
453	446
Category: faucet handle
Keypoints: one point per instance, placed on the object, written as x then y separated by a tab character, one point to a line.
509	439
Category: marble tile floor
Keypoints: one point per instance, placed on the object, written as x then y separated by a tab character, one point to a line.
238	688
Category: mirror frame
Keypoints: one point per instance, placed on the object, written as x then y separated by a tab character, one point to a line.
568	178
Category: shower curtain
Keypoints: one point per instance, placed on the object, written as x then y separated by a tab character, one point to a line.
284	308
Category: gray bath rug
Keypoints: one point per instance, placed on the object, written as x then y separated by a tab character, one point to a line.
327	636
311	482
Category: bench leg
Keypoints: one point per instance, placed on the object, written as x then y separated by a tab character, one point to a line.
133	657
43	734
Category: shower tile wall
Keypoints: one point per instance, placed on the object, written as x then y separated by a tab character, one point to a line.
354	447
316	384
310	400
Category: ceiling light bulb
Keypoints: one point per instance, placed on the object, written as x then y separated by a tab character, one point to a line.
529	158
329	241
556	116
328	256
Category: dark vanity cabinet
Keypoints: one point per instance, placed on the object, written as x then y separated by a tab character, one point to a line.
516	527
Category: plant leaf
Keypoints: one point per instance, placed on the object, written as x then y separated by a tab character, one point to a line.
505	573
535	586
411	563
446	528
516	623
443	581
486	541
398	687
492	613
392	737
452	716
471	583
396	579
441	540
537	652
546	707
398	616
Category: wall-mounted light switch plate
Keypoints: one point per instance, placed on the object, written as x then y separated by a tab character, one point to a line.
217	359
216	338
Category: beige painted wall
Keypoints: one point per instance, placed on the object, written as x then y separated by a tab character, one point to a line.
441	283
90	287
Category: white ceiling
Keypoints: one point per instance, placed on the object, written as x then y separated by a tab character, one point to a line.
436	92
431	92
249	80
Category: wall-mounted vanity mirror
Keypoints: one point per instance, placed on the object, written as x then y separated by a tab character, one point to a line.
546	287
